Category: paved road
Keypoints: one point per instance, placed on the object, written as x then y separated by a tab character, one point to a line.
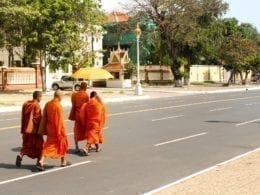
149	143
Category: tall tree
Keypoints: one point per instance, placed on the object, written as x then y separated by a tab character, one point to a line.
178	23
238	49
50	29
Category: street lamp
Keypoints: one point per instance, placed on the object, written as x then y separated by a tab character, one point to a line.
138	87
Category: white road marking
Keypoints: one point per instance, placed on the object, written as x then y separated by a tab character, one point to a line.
180	139
43	172
18	126
181	106
136	106
165	118
247	122
199	173
220	109
9	119
11	127
251	104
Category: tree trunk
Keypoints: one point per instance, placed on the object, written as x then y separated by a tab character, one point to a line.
43	70
231	77
177	77
241	78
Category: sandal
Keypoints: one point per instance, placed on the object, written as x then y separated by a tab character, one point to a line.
98	149
84	152
18	161
68	163
40	167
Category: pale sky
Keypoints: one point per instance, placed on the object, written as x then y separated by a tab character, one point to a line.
246	11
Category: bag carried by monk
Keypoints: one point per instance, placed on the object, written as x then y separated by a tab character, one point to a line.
31	128
42	127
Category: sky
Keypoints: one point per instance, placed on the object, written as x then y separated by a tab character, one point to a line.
246	11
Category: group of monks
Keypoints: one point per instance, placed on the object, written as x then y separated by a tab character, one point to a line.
88	112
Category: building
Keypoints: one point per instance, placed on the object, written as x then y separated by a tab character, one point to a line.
12	58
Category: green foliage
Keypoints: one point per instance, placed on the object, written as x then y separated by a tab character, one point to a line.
52	27
179	25
130	69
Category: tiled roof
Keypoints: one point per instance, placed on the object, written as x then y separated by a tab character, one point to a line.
117	17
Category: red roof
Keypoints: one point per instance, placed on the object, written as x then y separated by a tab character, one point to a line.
117	17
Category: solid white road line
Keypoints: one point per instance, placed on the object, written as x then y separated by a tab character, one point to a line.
43	172
180	139
9	119
11	127
220	109
165	118
181	106
247	122
199	173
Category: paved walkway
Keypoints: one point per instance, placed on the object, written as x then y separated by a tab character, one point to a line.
238	176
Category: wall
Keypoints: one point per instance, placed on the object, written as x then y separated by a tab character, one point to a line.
19	78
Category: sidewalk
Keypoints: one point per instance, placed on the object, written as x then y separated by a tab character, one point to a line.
238	176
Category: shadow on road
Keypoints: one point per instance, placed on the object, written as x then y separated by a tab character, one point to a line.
216	121
16	149
27	167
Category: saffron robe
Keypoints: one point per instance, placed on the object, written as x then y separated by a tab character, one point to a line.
103	121
53	126
77	100
32	142
91	119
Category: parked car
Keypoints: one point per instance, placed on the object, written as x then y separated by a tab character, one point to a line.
67	82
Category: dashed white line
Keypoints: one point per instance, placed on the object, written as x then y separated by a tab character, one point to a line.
220	109
165	118
181	139
43	172
252	104
247	122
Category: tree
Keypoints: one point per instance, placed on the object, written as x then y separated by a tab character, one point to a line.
178	24
238	50
48	29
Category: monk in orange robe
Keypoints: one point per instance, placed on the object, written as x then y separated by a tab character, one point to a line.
77	100
31	117
53	126
91	116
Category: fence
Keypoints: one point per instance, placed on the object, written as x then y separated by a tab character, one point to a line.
20	78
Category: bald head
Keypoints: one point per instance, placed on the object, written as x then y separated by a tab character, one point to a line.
37	95
83	86
93	94
58	94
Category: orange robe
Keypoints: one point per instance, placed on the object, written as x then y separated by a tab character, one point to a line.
53	126
103	121
31	117
77	100
91	119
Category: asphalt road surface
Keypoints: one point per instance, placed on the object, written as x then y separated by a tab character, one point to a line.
149	143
